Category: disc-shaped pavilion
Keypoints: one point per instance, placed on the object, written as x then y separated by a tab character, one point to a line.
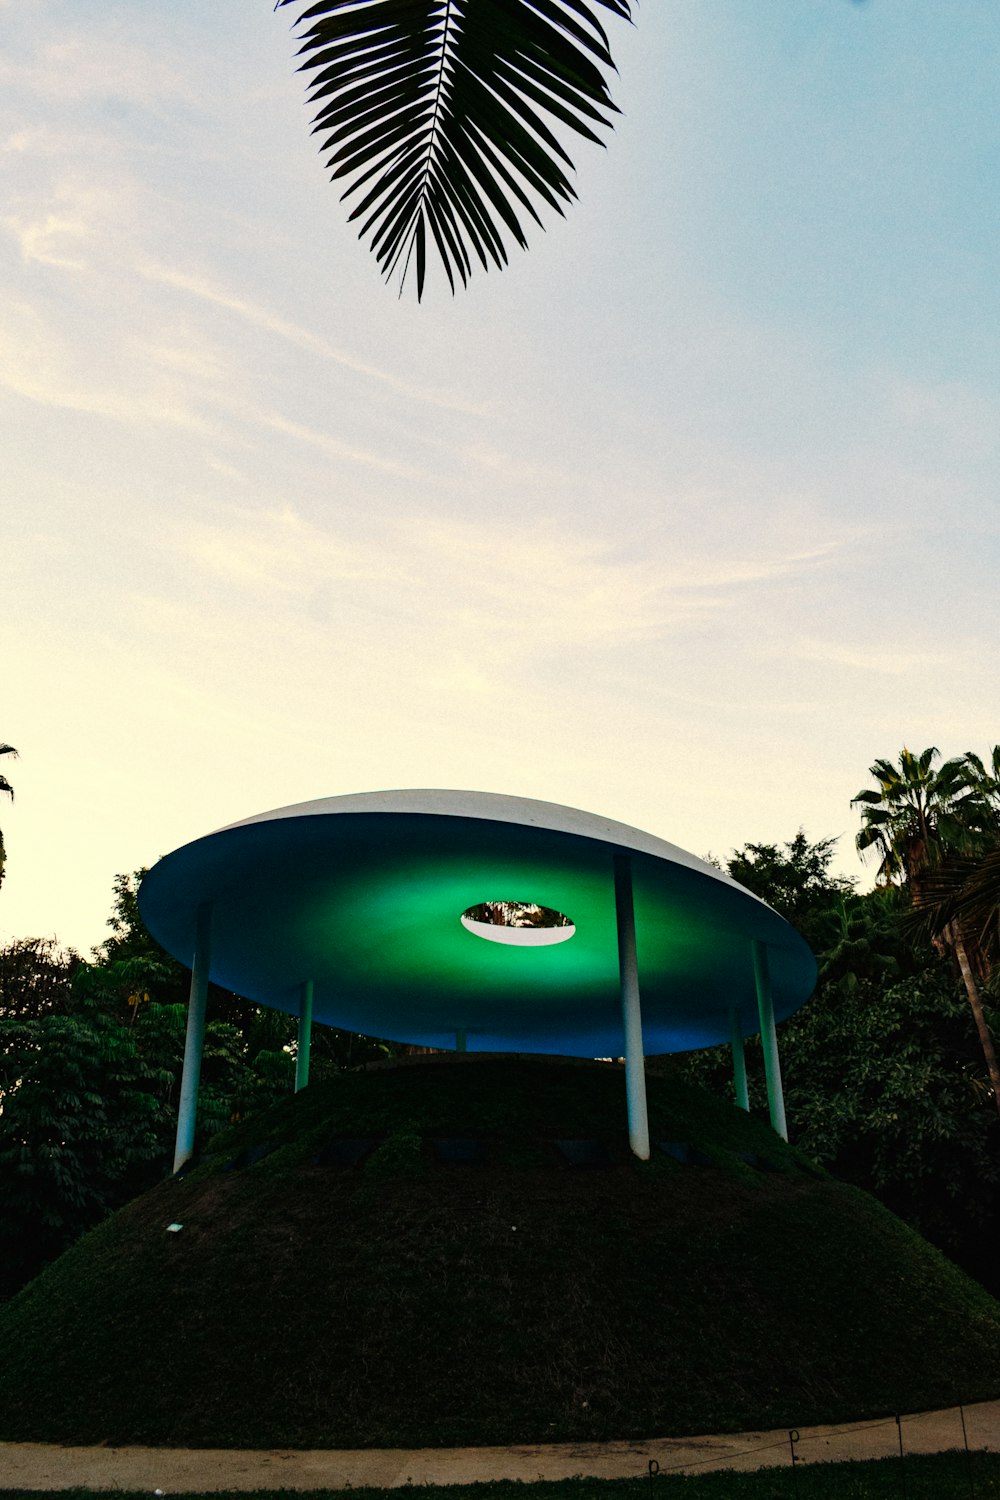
348	910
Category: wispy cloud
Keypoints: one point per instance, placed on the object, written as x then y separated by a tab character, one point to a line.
60	223
227	470
35	363
280	552
45	240
336	447
543	581
99	65
533	588
880	658
301	338
174	376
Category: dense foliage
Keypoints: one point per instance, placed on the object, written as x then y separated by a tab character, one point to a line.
885	1078
90	1062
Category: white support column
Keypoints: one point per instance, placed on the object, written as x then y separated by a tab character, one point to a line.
194	1042
769	1039
739	1060
304	1041
628	968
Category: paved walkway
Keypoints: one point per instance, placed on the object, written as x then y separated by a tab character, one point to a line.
41	1466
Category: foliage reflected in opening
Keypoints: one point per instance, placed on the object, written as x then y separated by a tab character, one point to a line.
523	924
516	914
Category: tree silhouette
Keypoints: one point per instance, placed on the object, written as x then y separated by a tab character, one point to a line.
916	818
7	790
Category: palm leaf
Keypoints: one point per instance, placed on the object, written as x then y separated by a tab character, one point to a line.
964	889
442	117
978	903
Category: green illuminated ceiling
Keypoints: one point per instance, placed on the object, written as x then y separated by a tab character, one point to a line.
364	896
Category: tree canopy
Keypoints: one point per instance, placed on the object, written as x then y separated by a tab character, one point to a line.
883	1070
918	813
925	822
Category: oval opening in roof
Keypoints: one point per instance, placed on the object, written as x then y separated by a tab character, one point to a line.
522	924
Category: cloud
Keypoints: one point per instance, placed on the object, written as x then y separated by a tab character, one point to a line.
40	241
279	552
723	573
581	584
37	364
174	377
484	593
335	446
228	471
301	338
96	65
59	224
880	658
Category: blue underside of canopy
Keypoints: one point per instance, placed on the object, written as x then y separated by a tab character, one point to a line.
368	905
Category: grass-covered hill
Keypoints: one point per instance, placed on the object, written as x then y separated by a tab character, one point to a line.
408	1256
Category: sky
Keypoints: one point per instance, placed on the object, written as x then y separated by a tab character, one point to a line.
683	518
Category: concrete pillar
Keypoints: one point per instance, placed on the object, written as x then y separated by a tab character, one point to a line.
769	1039
305	1036
194	1042
628	968
739	1060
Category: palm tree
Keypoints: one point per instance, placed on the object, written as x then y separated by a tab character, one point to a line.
916	820
8	790
917	815
984	780
441	117
966	888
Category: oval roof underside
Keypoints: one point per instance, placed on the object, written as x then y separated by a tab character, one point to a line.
364	896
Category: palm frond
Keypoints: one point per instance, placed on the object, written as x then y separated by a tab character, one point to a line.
964	889
441	116
977	904
952	777
885	773
982	781
924	763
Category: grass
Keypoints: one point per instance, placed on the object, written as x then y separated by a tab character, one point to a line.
408	1303
936	1476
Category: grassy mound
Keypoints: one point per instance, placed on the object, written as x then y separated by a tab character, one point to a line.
408	1298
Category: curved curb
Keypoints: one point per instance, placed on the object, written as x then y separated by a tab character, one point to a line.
45	1466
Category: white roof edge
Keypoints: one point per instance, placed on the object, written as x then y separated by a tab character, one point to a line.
497	807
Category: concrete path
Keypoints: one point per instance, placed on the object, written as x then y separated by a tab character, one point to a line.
41	1466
